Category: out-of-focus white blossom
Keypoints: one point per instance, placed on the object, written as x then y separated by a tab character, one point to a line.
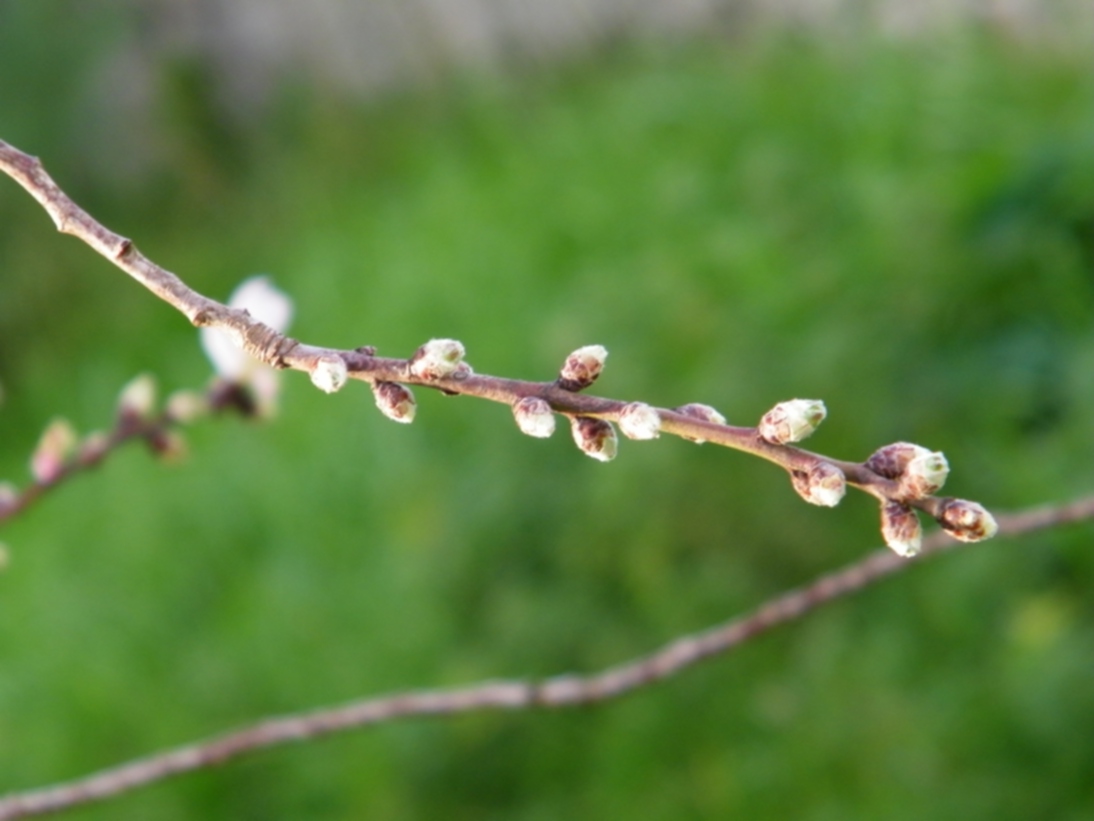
269	306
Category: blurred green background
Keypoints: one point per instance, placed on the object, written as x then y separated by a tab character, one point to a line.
900	225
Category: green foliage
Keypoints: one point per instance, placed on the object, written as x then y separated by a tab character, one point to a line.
901	229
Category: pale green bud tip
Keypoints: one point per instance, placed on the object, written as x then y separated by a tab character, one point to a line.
53	451
967	521
640	421
534	417
582	367
329	373
824	484
595	437
791	421
439	358
138	398
901	529
395	401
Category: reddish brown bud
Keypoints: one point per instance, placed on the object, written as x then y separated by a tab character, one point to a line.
967	521
901	529
582	367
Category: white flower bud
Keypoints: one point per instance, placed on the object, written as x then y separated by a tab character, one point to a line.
582	367
704	412
824	484
185	407
53	451
439	358
791	421
534	417
138	398
639	421
329	373
395	401
918	471
967	521
901	529
595	437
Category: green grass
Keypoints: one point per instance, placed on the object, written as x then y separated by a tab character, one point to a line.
901	229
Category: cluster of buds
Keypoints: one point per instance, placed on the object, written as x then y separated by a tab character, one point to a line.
917	471
791	421
439	359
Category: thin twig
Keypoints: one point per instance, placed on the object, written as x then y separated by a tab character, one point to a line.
280	351
558	692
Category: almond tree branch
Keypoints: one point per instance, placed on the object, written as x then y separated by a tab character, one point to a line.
276	349
558	692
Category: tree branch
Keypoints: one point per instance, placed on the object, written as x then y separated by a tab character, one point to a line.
964	520
554	693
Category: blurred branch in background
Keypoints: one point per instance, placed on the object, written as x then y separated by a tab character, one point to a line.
559	692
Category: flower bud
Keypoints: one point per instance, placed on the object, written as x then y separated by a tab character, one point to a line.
918	471
329	373
534	417
185	407
582	368
595	437
395	401
640	421
704	412
138	398
54	449
823	484
791	421
9	497
94	447
967	521
438	358
900	528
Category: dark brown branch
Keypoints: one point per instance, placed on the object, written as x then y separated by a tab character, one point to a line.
558	692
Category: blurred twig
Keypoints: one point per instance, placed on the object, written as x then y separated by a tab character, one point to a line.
558	692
